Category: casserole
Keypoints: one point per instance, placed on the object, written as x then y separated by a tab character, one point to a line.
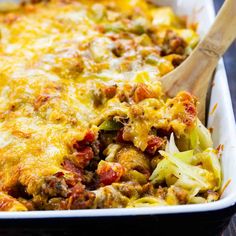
120	143
221	126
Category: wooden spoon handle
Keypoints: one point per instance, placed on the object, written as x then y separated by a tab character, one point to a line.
222	32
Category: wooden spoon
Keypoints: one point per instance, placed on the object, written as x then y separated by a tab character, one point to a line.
195	73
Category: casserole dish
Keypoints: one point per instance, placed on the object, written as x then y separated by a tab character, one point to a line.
222	126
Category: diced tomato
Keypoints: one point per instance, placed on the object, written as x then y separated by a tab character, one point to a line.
83	157
189	103
191	113
88	139
109	172
154	144
59	174
70	166
110	91
142	92
89	136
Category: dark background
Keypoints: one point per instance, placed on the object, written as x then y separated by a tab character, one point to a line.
230	64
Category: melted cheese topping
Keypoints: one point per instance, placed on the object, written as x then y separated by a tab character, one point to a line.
55	57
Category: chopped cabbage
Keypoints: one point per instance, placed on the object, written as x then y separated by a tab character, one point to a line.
110	151
210	162
200	137
165	16
193	172
190	36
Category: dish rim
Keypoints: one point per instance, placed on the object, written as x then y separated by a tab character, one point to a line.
226	202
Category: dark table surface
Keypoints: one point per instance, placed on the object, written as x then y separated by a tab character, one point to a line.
230	64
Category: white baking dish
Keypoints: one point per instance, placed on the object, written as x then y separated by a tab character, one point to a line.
224	132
